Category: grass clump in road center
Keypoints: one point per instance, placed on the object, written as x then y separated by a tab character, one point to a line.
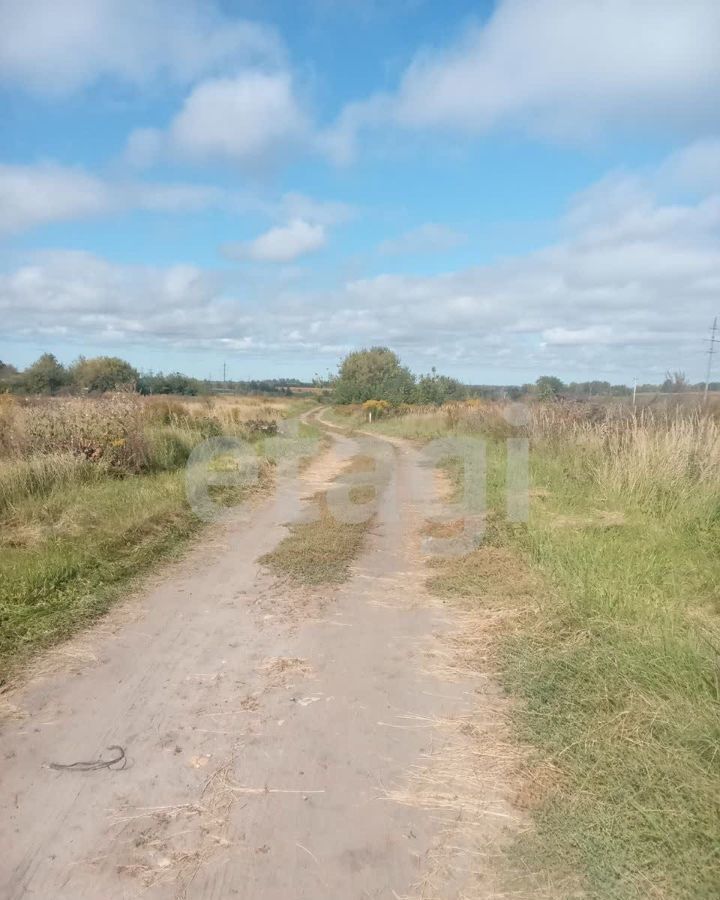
321	551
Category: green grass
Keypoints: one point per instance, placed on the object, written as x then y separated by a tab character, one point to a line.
75	535
615	656
66	555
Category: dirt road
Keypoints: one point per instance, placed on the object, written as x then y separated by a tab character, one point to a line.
273	735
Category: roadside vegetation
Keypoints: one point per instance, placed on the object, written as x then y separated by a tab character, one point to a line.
92	493
603	619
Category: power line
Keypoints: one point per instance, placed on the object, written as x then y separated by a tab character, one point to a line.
713	339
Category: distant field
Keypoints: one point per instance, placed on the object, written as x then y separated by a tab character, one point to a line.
92	493
615	652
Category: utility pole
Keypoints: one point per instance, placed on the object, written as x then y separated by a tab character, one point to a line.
713	339
634	391
224	373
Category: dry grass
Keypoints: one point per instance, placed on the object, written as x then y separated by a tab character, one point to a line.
321	551
280	670
475	781
445	529
318	552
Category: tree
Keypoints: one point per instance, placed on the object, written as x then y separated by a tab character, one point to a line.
8	375
45	376
675	382
102	373
172	383
548	387
374	374
434	388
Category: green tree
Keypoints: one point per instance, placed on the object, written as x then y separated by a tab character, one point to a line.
374	374
548	387
102	373
172	383
8	375
434	388
44	376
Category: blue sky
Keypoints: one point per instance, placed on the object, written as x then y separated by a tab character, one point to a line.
500	190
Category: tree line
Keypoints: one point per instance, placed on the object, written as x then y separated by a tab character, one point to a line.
101	374
373	374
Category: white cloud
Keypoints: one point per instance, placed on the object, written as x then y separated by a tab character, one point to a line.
250	118
319	212
694	168
428	238
282	244
40	194
34	195
629	290
567	69
55	46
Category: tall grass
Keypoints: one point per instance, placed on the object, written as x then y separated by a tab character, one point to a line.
38	475
616	657
92	492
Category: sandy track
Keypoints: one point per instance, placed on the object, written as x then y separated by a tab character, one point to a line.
265	728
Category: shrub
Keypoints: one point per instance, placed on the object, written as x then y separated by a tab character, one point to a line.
375	408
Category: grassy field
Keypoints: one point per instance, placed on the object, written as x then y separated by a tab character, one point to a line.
92	493
615	650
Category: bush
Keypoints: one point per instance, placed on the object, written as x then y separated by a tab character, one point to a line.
173	383
434	388
375	408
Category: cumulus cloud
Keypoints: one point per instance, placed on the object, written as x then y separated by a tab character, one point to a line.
559	69
629	290
56	46
244	119
35	195
428	238
282	244
40	194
